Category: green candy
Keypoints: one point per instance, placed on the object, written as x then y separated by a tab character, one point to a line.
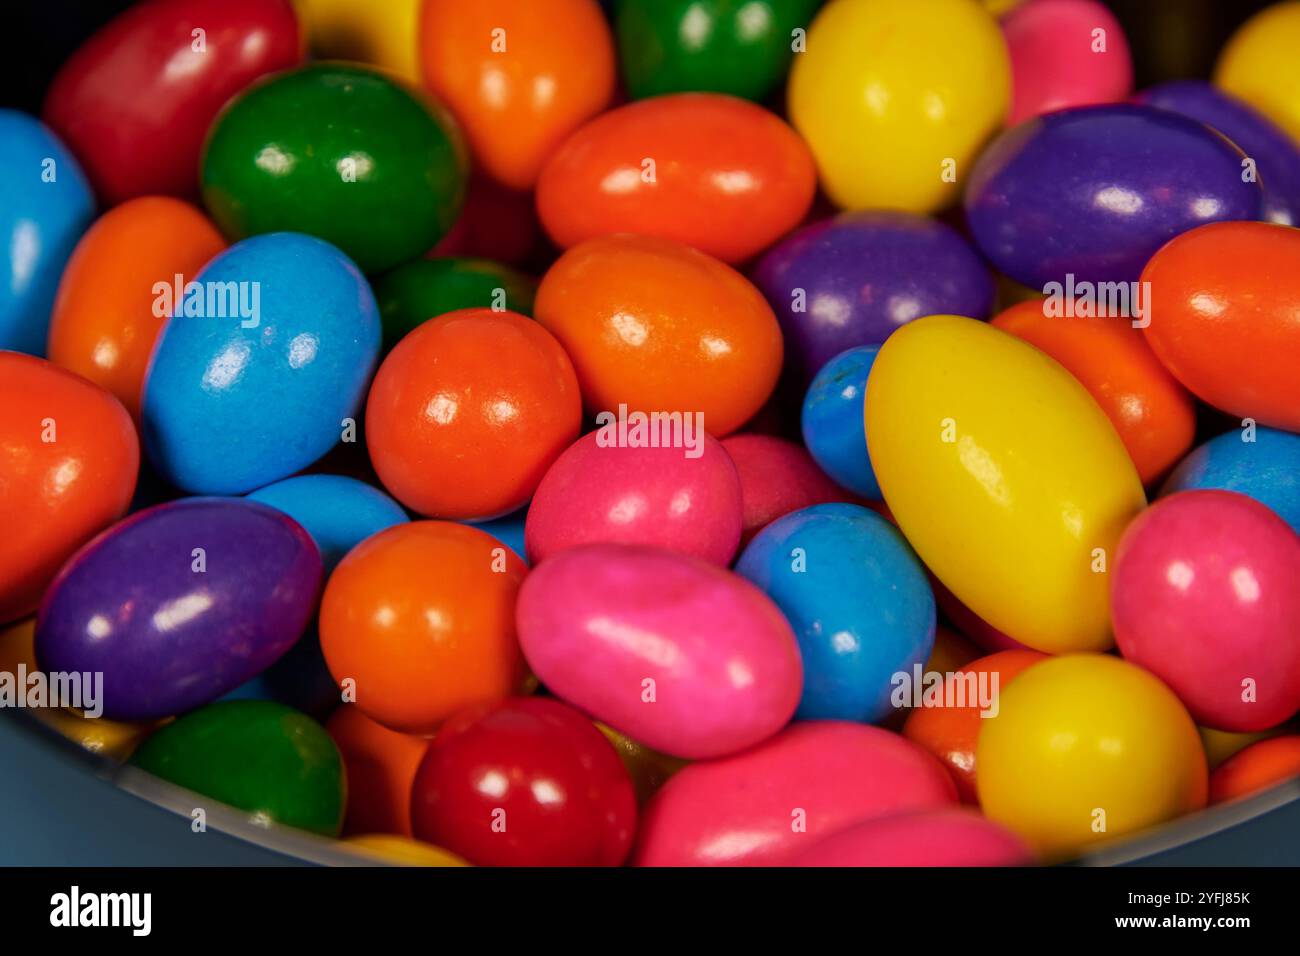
416	292
255	755
338	151
741	47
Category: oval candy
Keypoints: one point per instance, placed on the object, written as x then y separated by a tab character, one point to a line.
1261	463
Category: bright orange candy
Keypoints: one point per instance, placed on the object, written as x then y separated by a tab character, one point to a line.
468	411
659	326
421	617
1154	415
712	171
1256	768
380	765
69	457
518	76
951	733
1225	317
104	323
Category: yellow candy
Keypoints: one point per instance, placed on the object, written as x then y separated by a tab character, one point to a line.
895	98
1260	64
381	32
401	851
1005	476
1222	744
648	768
1086	748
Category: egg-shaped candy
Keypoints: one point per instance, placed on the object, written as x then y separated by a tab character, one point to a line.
262	366
69	457
1261	463
1274	155
527	782
412	294
136	99
923	838
44	208
680	655
764	806
1153	414
1258	65
853	640
180	603
776	478
1204	595
896	99
852	280
381	766
468	412
117	291
1087	748
340	151
418	622
519	76
1065	53
833	420
1257	767
1223	301
383	34
714	172
1065	199
657	326
741	47
607	489
1004	474
265	758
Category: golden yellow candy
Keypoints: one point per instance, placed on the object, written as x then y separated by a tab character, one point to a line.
401	851
1222	744
381	32
1004	474
648	768
1261	64
1086	748
895	98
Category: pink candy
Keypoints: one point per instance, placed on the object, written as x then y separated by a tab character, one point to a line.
777	477
678	654
930	838
1205	594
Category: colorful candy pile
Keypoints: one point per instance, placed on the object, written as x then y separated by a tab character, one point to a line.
679	432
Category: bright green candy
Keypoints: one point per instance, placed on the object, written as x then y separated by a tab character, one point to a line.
416	292
741	47
338	151
256	755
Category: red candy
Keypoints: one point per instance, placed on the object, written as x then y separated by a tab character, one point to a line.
777	477
935	838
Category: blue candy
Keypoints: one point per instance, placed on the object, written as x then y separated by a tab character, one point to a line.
857	598
1267	469
833	425
508	529
45	206
253	379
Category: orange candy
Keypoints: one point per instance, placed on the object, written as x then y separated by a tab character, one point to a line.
951	733
660	326
518	76
103	325
1225	317
421	618
380	765
1256	768
712	171
68	463
1153	414
468	411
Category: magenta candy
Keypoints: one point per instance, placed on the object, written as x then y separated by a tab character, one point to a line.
661	497
777	477
1059	59
1205	594
928	838
764	806
679	655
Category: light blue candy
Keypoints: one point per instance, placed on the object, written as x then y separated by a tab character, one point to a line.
833	427
858	600
237	402
1267	469
508	529
45	206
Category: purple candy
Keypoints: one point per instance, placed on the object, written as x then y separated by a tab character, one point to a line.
862	275
1095	191
167	636
1276	155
